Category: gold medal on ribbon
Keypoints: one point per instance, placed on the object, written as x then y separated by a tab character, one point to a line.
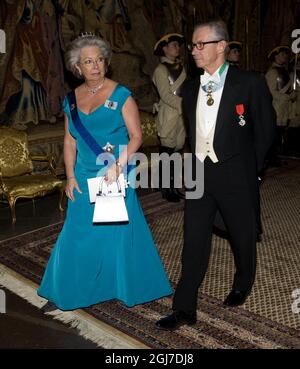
210	101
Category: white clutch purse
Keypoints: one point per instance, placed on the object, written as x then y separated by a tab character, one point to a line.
109	200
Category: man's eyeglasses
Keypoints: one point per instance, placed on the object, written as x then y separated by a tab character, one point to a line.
90	62
200	45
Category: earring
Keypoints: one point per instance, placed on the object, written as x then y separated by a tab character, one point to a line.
78	71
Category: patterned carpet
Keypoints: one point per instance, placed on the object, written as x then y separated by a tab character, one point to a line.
265	321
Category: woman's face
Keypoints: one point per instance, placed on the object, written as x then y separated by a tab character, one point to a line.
92	63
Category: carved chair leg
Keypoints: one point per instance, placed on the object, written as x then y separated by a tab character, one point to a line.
12	205
61	197
33	207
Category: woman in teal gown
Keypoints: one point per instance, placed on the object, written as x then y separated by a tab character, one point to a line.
92	263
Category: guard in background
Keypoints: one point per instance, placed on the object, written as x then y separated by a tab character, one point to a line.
293	136
234	49
280	85
168	78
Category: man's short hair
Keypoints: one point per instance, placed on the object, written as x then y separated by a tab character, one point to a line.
218	26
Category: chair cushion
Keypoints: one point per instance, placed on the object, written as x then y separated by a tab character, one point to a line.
31	185
14	154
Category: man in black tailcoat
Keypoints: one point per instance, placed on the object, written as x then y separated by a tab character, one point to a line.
231	126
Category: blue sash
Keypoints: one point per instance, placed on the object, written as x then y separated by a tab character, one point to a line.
84	133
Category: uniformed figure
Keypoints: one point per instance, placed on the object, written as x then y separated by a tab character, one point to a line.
280	85
168	78
234	49
293	134
295	77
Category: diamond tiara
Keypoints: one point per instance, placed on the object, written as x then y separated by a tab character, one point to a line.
85	35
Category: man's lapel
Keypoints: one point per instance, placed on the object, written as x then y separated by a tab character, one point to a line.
229	97
193	104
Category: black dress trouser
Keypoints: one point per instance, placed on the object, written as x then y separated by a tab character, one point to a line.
225	188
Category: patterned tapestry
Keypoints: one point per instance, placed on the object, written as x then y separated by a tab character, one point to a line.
32	76
31	70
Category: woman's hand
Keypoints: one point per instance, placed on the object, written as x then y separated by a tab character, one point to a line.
70	185
113	173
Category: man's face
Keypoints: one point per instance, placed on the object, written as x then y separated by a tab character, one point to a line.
172	49
282	57
234	55
209	54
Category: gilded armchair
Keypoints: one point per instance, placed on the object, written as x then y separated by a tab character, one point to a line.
17	179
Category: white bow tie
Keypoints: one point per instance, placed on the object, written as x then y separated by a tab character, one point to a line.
206	77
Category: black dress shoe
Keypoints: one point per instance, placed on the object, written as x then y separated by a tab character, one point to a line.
48	307
170	196
179	193
235	298
176	319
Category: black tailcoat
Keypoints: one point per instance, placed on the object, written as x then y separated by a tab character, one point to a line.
231	184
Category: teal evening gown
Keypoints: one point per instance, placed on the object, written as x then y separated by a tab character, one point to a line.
94	263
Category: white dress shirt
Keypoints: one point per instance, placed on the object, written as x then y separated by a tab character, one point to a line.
206	116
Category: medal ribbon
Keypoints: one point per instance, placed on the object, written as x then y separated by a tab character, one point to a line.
240	109
217	86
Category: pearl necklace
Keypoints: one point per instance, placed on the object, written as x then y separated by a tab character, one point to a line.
95	89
